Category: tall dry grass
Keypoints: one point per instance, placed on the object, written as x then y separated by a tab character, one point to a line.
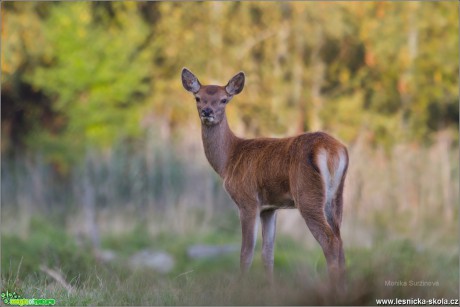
410	191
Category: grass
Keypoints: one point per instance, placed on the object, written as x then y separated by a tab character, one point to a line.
300	272
400	224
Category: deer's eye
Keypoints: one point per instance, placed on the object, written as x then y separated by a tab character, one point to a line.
223	100
197	99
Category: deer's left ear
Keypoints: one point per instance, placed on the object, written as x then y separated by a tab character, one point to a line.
236	84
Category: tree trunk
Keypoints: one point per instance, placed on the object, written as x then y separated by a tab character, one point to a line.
407	76
89	205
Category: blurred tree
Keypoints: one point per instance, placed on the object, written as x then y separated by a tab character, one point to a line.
435	72
80	74
95	76
391	80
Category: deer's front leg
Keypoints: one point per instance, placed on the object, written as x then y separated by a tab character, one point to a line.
248	219
268	219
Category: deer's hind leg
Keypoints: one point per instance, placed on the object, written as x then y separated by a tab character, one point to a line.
310	199
337	206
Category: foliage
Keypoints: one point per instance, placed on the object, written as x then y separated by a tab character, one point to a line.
83	75
95	72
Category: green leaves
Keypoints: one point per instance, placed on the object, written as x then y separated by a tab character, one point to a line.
99	76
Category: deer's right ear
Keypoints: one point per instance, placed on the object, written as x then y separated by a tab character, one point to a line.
190	81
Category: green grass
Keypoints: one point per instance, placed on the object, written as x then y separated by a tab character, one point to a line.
402	209
300	273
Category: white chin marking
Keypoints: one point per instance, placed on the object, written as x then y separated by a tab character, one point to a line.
207	120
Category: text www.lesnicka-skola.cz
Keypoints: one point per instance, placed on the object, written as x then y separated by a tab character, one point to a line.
417	301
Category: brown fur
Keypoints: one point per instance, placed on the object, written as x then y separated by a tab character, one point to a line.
265	174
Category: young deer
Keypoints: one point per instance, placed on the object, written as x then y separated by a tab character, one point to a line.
263	175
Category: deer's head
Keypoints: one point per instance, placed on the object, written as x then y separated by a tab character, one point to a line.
212	99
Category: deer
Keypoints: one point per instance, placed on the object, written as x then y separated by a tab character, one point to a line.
262	175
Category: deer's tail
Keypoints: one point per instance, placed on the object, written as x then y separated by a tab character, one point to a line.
333	168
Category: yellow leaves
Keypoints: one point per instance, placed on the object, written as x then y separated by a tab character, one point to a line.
84	16
344	75
344	115
403	86
5	67
437	77
380	10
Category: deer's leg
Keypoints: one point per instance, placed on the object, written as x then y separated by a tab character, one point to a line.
337	204
268	219
248	219
330	243
310	199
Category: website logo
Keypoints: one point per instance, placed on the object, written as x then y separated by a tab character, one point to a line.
14	299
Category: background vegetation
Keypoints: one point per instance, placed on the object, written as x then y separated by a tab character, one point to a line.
101	148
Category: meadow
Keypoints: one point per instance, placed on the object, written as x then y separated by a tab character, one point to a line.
400	225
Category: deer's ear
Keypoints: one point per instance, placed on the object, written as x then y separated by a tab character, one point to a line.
190	81
236	84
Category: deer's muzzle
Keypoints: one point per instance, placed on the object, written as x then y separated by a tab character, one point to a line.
207	116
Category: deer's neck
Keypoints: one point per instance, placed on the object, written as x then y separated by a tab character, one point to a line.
218	142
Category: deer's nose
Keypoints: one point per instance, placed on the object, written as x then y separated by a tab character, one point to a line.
206	112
